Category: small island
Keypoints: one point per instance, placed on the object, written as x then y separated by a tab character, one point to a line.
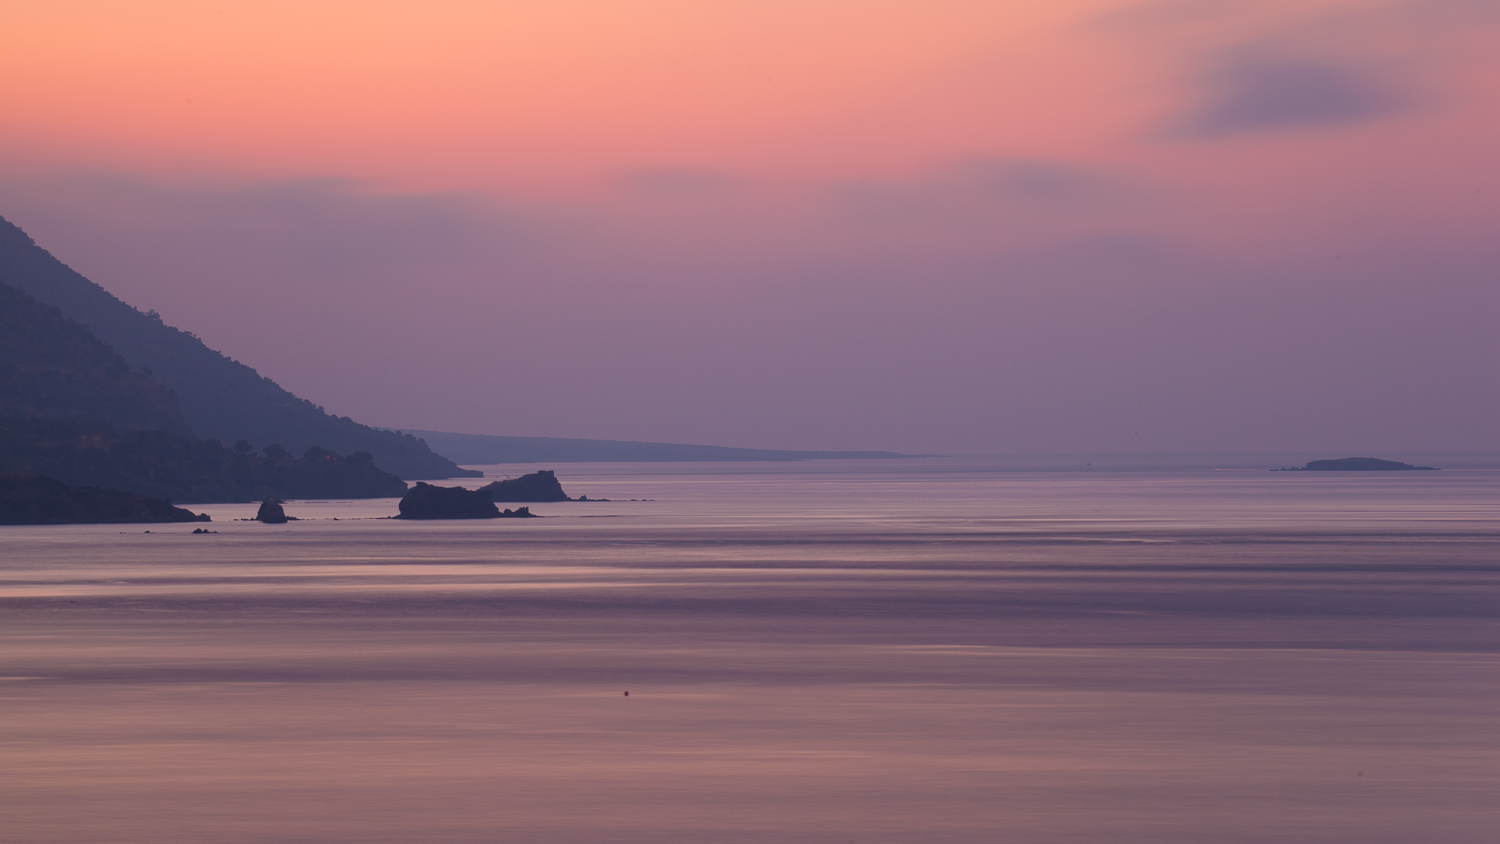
272	513
1357	464
537	486
425	501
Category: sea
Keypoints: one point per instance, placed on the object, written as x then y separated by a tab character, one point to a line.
933	650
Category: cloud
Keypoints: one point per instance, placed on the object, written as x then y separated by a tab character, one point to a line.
1253	95
447	312
980	188
319	224
1030	180
1256	68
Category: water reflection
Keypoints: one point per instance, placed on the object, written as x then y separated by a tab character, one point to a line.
867	653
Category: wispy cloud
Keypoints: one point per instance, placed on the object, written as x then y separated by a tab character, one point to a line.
1242	68
320	225
981	188
1249	95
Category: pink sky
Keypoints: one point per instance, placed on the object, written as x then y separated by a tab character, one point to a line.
944	226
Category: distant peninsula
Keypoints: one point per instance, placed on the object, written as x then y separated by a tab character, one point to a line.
483	449
1357	464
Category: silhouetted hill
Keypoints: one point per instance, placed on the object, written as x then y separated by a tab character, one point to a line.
219	397
179	468
485	449
53	368
30	500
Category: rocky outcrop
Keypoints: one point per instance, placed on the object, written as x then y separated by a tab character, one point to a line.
425	501
32	500
537	486
271	513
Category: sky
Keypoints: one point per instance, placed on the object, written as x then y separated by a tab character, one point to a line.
955	227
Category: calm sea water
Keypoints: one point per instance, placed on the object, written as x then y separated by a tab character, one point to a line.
885	651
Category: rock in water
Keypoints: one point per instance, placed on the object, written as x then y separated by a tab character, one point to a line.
537	486
33	500
425	501
271	513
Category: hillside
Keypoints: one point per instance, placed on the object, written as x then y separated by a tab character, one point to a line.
182	469
53	368
218	397
30	500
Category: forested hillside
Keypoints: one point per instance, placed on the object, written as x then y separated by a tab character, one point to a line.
220	398
53	368
182	469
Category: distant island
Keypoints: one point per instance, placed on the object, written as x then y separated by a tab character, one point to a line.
1357	464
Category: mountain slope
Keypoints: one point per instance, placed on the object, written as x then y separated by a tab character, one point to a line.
53	368
220	398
